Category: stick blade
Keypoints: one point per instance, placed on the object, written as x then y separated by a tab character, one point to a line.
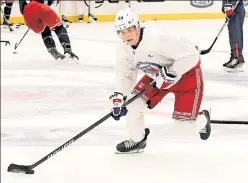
15	46
14	168
203	52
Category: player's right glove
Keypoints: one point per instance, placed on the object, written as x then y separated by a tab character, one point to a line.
117	100
228	9
164	78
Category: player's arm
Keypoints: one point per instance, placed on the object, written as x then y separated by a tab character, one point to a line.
182	51
184	55
125	72
125	80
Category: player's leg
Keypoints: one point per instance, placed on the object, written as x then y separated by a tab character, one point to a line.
50	44
7	12
51	19
135	118
235	28
187	119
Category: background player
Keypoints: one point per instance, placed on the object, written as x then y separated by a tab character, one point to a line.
235	29
174	65
41	19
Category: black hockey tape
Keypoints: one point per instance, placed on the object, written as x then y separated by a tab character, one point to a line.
30	172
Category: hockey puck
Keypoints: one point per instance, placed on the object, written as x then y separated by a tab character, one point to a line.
29	172
14	52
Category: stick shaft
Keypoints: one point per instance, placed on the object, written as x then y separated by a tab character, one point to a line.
203	52
69	142
229	122
16	45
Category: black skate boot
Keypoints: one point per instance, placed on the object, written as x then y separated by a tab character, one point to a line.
54	52
81	18
69	54
129	146
206	131
234	66
92	18
66	21
7	25
229	61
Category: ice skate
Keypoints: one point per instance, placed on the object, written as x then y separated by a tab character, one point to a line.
229	61
70	56
130	147
57	55
7	25
92	18
81	18
206	131
234	66
66	21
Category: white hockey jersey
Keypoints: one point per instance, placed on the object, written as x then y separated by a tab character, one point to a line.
156	49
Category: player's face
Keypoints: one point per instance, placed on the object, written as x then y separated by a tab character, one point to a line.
130	35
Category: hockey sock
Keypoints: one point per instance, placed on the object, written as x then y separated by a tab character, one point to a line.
62	34
47	38
7	10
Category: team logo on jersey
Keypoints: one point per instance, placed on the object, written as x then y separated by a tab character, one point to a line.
201	3
245	3
148	67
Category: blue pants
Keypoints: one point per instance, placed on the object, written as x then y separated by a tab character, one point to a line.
235	29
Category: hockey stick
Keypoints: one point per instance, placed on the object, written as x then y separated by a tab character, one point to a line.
28	169
203	52
10	28
6	42
229	122
16	45
90	16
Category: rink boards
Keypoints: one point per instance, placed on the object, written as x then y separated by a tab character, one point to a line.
167	10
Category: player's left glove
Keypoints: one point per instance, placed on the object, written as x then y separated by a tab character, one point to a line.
164	78
117	100
228	9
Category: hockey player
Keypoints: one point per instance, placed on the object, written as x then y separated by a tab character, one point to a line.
174	65
42	19
235	29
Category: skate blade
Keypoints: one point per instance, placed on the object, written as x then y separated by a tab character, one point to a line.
235	70
131	152
68	58
66	24
11	28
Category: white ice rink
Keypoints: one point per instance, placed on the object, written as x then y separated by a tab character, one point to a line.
45	102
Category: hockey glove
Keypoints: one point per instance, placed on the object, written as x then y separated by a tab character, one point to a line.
228	8
117	100
164	78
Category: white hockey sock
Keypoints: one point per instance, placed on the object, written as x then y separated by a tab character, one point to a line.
189	127
136	127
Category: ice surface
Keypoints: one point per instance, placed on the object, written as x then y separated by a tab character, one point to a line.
45	102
